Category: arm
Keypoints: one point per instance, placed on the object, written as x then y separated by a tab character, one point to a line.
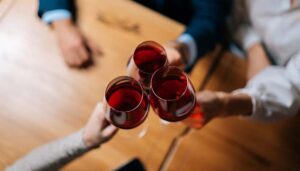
257	60
207	24
273	94
241	26
244	34
221	104
56	154
75	47
52	156
203	31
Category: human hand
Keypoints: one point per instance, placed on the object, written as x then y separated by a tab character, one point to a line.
76	49
132	69
211	103
98	130
221	104
177	53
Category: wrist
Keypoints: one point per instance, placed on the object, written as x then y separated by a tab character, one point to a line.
223	103
62	24
237	104
90	140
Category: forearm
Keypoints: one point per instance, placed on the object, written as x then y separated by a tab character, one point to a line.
206	25
52	156
235	104
275	92
257	60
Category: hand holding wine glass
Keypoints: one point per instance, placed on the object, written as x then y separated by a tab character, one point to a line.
126	105
173	97
97	129
177	53
146	59
222	104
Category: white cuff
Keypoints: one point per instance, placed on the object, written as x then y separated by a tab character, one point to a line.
247	37
54	15
253	99
192	47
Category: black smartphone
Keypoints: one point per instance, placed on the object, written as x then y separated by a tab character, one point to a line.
133	165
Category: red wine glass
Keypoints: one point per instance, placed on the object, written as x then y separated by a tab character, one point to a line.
126	103
146	59
173	95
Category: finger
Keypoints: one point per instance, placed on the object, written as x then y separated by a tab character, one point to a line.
173	55
132	69
99	112
75	59
78	58
109	131
99	107
94	48
67	57
83	54
129	60
71	59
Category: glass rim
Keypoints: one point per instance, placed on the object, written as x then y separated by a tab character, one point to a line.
168	67
121	78
155	44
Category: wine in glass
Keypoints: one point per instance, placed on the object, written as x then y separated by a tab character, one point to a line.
126	104
173	97
146	59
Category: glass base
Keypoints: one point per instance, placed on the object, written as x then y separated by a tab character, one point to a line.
134	133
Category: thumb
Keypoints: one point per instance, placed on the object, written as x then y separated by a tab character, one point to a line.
109	131
99	111
94	48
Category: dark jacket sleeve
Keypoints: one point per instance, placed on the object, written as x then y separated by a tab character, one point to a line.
207	23
48	5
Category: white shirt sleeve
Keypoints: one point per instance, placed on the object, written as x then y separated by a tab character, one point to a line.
54	15
275	92
246	36
192	47
242	29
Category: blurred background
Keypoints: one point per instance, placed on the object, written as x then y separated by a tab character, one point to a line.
42	98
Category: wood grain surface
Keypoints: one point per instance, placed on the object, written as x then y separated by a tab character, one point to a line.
42	99
237	143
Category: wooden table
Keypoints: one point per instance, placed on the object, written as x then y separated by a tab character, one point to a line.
41	99
236	143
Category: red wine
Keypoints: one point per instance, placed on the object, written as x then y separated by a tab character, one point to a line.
196	118
148	57
172	97
129	107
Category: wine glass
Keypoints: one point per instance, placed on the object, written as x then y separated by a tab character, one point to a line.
173	97
146	59
126	105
